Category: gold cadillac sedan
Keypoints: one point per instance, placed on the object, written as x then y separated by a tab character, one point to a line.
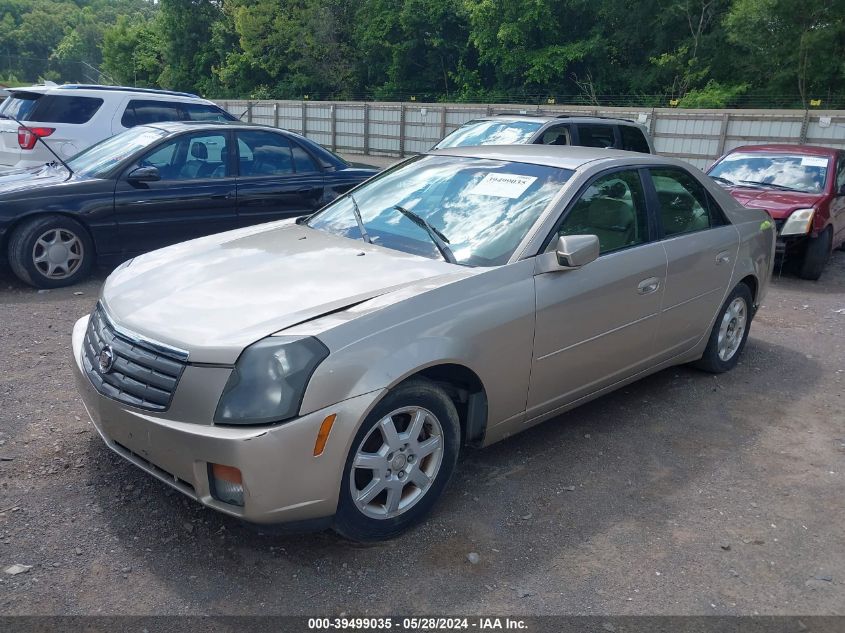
328	371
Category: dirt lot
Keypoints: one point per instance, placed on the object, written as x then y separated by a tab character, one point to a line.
681	494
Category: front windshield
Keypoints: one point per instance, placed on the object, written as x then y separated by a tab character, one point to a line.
98	160
491	133
483	207
806	174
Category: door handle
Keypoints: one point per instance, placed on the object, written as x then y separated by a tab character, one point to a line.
723	258
222	196
647	286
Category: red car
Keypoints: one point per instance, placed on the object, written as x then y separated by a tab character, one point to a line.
801	186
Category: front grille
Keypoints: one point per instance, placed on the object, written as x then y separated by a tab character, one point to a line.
141	375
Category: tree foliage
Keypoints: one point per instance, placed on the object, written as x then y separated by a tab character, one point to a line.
694	53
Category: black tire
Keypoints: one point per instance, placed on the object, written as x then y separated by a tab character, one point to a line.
711	361
816	255
22	249
350	521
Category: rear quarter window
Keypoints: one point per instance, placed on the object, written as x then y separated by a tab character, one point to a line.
633	139
41	108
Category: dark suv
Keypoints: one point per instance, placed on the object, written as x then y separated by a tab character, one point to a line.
524	129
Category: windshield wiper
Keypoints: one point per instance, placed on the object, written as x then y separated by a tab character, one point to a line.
724	180
357	212
757	183
436	236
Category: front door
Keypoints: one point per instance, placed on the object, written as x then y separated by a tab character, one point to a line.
195	196
277	178
837	204
596	325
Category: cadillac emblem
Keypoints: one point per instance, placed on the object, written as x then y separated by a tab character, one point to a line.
106	359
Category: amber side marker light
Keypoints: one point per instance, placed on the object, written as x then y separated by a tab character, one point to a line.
323	435
226	484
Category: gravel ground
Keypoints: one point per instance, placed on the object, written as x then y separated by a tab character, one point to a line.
681	494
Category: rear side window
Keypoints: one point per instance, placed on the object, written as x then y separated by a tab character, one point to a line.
633	139
140	112
301	160
264	154
685	206
41	108
596	136
206	112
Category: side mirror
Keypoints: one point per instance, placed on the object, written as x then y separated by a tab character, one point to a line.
575	251
144	174
572	252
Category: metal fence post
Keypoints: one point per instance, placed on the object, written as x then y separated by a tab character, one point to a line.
723	133
334	127
248	112
652	123
366	129
276	114
804	125
443	122
402	130
304	123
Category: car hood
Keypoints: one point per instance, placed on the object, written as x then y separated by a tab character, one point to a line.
18	180
779	203
216	295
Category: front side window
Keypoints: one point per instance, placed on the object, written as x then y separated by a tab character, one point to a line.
49	108
684	203
486	132
483	208
596	136
612	208
785	172
189	157
205	112
633	139
557	135
264	154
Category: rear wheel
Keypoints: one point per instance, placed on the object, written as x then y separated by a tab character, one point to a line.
816	255
51	251
729	333
400	461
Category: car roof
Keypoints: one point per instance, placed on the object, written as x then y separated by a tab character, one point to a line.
813	150
98	89
546	118
561	156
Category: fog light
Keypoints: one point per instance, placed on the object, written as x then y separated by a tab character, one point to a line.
226	484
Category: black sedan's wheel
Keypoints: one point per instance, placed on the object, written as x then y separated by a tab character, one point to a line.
729	333
51	251
399	463
816	255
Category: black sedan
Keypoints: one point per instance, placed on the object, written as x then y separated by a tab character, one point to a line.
156	185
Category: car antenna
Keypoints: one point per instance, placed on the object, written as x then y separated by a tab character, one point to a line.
43	142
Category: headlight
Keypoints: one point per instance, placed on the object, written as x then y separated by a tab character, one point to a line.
269	379
799	223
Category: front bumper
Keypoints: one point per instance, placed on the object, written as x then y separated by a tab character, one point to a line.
283	480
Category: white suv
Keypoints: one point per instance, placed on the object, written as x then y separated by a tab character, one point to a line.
72	118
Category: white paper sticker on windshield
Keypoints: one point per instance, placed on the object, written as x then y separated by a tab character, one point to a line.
502	185
813	161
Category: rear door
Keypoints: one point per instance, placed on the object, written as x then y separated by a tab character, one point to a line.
701	249
277	178
195	196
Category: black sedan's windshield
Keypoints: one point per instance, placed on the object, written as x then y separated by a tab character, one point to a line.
482	208
98	160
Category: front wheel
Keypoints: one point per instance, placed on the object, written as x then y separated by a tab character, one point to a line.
400	462
51	251
816	255
729	333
